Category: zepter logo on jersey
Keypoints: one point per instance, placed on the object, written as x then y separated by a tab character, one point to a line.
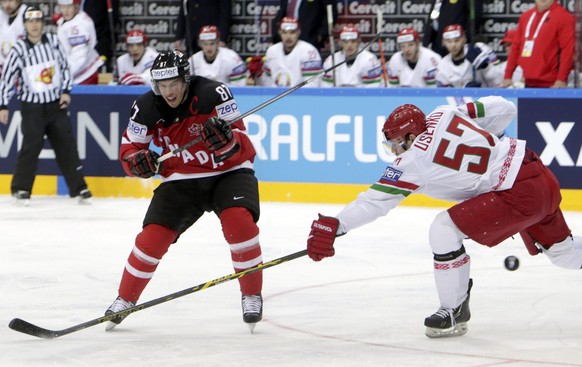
391	174
168	73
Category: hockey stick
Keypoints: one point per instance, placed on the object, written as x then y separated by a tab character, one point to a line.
187	25
31	329
270	101
331	41
380	24
113	42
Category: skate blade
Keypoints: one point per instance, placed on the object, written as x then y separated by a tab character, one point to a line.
457	330
110	326
252	327
21	202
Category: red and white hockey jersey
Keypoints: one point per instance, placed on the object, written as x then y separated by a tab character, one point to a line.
10	32
78	38
228	67
364	72
287	70
153	121
400	74
138	73
458	157
451	75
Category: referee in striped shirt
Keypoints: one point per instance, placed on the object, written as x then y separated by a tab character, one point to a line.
38	69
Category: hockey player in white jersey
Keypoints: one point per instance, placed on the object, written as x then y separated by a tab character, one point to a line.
414	66
364	71
216	62
290	61
501	189
76	32
11	27
467	65
133	67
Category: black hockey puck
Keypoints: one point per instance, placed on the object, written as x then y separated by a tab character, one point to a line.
511	263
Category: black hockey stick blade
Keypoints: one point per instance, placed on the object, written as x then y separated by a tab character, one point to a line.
33	330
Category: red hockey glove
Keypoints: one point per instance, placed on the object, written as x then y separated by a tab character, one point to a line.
219	139
144	163
321	238
255	66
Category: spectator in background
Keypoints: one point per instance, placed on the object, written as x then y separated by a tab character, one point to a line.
506	42
105	31
544	46
290	61
466	64
446	12
11	27
201	13
414	66
133	67
215	62
363	71
312	17
76	33
38	65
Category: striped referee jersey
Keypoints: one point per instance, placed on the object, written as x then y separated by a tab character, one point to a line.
40	72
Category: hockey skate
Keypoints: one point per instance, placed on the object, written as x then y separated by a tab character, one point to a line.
448	321
85	197
252	307
117	306
21	198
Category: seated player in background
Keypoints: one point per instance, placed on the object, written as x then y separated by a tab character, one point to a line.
414	66
466	64
216	62
363	71
133	67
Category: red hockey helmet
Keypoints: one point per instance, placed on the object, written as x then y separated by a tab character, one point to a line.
289	24
404	120
453	31
136	36
407	35
349	32
209	33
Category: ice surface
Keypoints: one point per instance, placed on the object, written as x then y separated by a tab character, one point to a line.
61	264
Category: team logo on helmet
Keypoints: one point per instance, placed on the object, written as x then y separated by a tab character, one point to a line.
209	33
349	32
453	31
407	35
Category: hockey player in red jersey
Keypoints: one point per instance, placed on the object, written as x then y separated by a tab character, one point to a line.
214	175
501	189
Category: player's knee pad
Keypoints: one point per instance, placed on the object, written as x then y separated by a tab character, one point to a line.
566	254
154	240
444	236
238	225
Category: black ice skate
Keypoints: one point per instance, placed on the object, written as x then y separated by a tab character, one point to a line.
117	306
449	322
252	307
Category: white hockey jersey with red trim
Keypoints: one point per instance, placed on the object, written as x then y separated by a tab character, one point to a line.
288	70
400	74
457	158
141	70
364	72
227	68
10	33
451	75
78	38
